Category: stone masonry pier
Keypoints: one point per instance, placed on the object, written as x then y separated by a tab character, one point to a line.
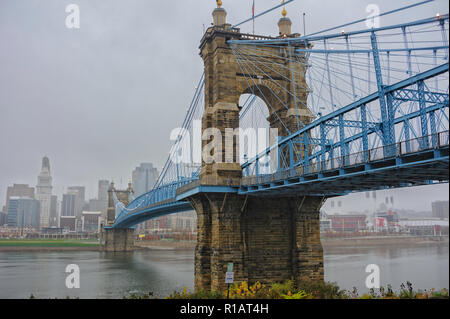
267	239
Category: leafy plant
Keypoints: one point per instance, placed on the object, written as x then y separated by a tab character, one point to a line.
299	295
200	294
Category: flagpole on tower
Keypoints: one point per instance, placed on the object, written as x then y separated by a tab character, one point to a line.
304	23
253	15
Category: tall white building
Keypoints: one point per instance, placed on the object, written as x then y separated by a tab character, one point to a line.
44	192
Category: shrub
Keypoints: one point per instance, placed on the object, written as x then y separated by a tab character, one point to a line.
308	289
279	290
244	291
321	289
299	295
200	294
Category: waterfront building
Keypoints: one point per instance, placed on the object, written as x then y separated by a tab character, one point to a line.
420	227
348	223
101	202
80	192
68	223
23	212
54	218
325	224
44	192
51	231
182	222
69	205
389	218
440	209
3	218
18	190
185	221
91	221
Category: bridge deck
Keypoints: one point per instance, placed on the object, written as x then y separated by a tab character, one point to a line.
416	162
386	167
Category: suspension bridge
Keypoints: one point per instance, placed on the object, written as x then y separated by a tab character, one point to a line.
353	111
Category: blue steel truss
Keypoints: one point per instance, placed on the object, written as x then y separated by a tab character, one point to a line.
380	101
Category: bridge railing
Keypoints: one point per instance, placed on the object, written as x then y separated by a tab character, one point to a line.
410	147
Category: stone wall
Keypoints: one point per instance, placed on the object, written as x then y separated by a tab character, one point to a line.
267	239
119	239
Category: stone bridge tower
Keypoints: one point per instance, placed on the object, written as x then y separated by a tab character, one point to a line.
117	239
268	239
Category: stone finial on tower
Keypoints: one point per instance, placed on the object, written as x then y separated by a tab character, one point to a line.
284	24
219	15
130	187
111	185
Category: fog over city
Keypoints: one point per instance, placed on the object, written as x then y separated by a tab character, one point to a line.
101	99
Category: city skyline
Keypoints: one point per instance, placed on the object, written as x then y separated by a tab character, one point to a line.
350	203
93	192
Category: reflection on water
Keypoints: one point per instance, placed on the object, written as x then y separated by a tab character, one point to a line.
113	275
102	275
424	266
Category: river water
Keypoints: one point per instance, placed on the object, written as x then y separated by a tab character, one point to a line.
114	275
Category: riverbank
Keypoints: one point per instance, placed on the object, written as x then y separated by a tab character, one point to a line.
47	245
165	244
326	242
80	245
382	241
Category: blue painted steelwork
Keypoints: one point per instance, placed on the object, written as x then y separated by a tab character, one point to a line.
309	38
396	136
338	114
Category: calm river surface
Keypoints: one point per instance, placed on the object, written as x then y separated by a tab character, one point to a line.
109	275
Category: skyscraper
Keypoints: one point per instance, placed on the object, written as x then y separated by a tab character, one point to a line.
3	218
103	186
440	209
80	192
54	211
69	208
44	192
23	212
100	204
144	178
18	190
69	205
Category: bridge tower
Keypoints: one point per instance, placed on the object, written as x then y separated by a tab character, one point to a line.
117	239
268	239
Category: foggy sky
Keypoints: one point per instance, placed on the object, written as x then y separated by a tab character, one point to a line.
102	99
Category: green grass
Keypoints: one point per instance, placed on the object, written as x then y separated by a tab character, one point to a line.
45	243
